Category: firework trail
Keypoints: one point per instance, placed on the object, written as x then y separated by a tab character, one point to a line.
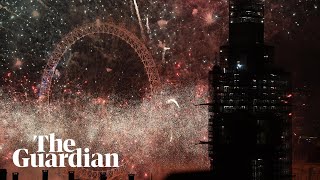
172	101
139	18
148	25
42	3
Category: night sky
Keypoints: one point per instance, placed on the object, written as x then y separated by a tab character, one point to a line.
299	55
184	37
192	29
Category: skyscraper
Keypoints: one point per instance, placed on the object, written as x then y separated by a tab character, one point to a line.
250	113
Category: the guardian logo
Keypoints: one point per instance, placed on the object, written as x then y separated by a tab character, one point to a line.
62	154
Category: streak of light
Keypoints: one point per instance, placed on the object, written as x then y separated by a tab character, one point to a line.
148	26
139	18
42	3
173	101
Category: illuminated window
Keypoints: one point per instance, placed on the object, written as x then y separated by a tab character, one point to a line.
239	65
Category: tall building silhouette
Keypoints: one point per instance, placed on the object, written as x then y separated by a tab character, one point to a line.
15	176
3	174
45	174
250	114
71	175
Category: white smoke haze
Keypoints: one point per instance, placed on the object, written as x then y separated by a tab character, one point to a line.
150	137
